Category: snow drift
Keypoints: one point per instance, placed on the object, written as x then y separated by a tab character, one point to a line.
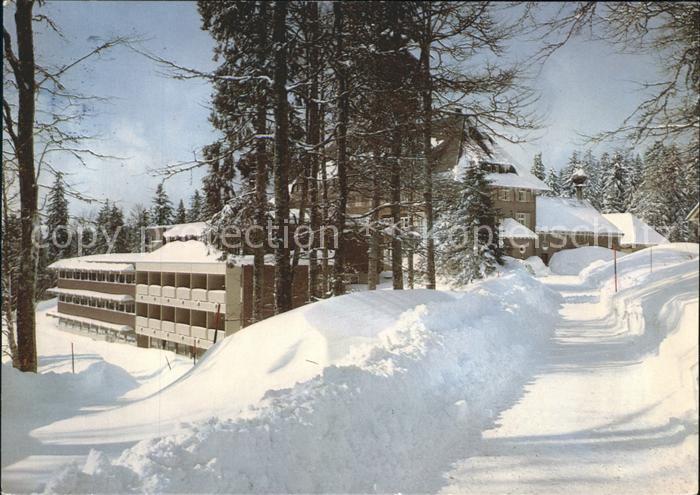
572	261
365	392
638	264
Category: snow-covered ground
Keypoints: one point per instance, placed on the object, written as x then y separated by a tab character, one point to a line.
572	261
500	388
107	375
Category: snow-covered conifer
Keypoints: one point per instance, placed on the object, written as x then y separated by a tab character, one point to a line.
467	241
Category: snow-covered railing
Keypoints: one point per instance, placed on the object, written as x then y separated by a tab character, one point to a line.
119	298
77	264
89	321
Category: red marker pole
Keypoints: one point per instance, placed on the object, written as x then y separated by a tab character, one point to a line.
615	265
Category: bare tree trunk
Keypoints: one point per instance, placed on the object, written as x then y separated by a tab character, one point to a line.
325	269
23	69
261	211
7	285
410	248
372	269
302	210
314	139
428	164
283	273
395	187
341	144
260	183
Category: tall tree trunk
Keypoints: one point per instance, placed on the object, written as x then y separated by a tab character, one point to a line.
410	248
325	269
427	156
341	144
313	140
283	272
24	75
261	209
395	187
373	268
306	170
8	276
260	180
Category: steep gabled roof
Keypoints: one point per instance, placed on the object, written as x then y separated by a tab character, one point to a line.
637	232
455	151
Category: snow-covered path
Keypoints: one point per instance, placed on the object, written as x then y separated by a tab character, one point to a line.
612	408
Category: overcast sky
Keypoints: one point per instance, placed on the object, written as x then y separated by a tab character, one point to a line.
153	120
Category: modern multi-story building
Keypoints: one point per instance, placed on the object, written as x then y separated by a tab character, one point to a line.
180	296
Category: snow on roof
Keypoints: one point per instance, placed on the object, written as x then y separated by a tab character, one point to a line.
175	251
510	228
122	298
514	180
637	232
571	216
479	148
114	263
194	229
184	252
90	321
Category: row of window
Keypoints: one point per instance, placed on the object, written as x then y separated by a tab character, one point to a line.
91	302
115	278
521	195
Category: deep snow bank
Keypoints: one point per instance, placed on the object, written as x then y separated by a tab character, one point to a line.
25	393
572	261
632	267
401	382
233	376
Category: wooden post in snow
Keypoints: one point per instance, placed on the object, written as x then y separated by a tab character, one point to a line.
216	321
72	358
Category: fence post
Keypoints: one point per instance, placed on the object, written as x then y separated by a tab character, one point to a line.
72	358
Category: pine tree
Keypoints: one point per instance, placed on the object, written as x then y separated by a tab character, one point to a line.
636	177
552	181
467	238
194	214
118	233
567	188
84	240
162	211
57	222
592	187
139	220
538	167
614	186
181	213
103	229
663	199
